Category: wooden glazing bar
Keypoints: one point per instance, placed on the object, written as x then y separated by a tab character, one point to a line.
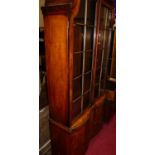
102	55
80	52
93	55
81	24
85	92
81	75
94	63
76	99
84	48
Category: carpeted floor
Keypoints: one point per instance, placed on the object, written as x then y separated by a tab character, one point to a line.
104	143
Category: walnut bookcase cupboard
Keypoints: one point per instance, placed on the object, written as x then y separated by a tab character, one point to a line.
77	45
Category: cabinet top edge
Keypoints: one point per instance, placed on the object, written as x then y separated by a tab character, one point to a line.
58	7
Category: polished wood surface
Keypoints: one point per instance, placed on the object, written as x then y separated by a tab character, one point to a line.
70	135
56	45
74	140
97	120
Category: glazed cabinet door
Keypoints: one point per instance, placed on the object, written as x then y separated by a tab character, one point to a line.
103	49
84	32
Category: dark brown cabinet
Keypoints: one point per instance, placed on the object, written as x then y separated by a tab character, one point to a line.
78	35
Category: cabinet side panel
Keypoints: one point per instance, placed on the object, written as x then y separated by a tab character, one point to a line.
56	45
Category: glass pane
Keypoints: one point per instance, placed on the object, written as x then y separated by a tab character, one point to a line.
96	94
97	75
103	84
77	63
104	69
86	101
109	19
105	39
76	108
87	79
91	11
103	17
113	61
100	39
77	88
88	61
89	38
80	17
99	58
110	54
103	76
103	48
78	38
109	66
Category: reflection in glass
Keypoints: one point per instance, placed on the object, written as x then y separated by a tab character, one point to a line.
89	38
100	39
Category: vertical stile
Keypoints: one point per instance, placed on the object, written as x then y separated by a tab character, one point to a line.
101	70
83	61
108	52
93	53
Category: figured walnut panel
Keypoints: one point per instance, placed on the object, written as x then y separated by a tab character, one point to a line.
56	43
72	141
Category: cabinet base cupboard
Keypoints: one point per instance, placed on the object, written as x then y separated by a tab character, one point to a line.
77	47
